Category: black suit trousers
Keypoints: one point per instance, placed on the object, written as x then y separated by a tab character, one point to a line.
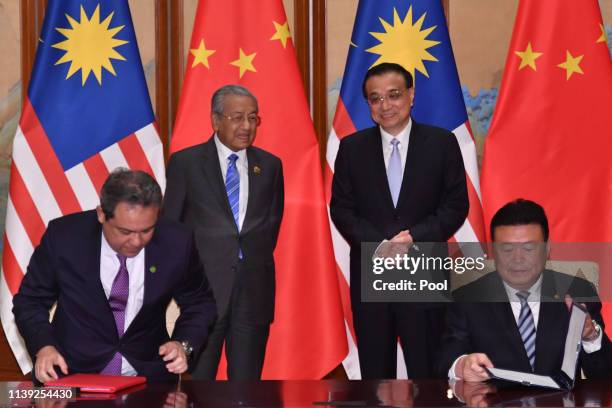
378	326
245	341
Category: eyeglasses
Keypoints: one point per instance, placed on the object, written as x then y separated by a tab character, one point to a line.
238	118
392	96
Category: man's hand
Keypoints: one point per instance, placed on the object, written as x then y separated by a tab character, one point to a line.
402	237
473	394
176	399
46	358
174	354
398	245
471	367
589	332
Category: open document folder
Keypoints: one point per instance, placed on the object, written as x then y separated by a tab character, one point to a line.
566	377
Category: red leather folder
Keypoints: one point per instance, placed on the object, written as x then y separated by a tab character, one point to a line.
109	384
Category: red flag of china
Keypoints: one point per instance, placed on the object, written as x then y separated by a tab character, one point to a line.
248	43
550	136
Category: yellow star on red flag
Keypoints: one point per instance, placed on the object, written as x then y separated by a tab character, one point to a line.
603	38
282	33
528	57
244	62
571	65
201	54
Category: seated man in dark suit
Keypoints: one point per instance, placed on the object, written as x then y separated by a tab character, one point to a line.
113	271
516	318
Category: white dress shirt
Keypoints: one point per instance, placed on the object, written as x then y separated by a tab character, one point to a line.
535	292
404	139
533	301
109	267
242	165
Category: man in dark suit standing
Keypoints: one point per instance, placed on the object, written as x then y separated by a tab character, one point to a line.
232	194
405	182
517	317
113	272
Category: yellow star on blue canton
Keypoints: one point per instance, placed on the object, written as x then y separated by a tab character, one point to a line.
400	36
90	45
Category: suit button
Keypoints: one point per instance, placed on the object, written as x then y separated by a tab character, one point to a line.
396	217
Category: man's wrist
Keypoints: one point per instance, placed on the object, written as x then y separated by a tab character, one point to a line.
456	368
596	333
187	348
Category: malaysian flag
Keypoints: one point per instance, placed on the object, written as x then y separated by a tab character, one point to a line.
413	34
86	113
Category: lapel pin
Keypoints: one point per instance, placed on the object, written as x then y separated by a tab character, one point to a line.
256	169
153	269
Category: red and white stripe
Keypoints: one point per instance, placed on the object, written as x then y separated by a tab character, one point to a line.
472	229
40	190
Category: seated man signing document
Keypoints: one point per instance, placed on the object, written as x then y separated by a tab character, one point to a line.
516	318
112	272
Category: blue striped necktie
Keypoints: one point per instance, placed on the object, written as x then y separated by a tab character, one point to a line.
527	327
232	187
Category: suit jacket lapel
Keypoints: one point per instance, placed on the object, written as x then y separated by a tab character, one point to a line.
377	167
551	328
153	270
257	174
212	171
415	143
89	262
503	314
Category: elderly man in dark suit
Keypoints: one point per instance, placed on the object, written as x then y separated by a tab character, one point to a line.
405	182
517	317
232	194
113	272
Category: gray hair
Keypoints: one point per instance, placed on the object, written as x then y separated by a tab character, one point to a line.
133	187
218	99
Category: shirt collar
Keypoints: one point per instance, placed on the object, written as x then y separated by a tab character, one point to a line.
106	248
534	291
108	251
402	136
225	151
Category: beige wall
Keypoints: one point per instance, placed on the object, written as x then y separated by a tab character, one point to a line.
340	19
9	73
480	32
9	44
144	25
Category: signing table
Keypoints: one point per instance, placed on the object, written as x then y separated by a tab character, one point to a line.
324	393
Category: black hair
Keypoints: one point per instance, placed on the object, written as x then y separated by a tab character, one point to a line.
129	186
384	68
520	212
